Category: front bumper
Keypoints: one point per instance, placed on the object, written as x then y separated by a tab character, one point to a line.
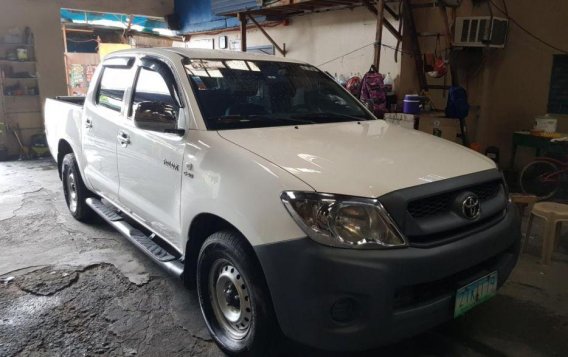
343	299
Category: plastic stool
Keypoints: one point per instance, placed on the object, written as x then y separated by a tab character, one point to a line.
523	201
553	214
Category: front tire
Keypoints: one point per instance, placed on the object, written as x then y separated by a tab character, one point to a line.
74	190
233	296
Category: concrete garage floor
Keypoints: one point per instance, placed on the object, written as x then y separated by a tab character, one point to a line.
83	290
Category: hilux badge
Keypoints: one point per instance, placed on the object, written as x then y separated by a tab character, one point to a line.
470	207
171	165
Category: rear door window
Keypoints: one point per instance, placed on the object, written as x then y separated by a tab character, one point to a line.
113	85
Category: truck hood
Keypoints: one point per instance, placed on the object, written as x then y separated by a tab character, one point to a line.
366	159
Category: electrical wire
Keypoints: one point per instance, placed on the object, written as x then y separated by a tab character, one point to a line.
346	54
365	46
411	54
81	41
524	29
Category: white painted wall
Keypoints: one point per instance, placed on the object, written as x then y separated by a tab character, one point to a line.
320	37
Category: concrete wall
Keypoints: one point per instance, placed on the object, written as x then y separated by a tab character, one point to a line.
42	16
508	86
320	37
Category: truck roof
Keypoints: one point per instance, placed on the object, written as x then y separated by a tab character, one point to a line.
202	53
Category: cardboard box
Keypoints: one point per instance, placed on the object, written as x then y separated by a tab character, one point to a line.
446	128
407	121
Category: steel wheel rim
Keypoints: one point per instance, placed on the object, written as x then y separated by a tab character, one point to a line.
528	179
72	192
230	299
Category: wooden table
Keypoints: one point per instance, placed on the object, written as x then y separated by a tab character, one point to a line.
541	144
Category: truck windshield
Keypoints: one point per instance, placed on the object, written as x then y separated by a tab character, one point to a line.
236	94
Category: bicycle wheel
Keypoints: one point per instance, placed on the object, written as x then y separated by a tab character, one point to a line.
533	179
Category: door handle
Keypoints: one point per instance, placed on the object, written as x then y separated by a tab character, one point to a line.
88	123
123	138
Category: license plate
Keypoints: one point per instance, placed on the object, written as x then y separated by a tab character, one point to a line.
475	293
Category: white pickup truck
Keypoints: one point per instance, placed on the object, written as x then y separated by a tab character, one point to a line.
266	185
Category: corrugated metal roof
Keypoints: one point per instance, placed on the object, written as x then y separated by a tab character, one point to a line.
112	20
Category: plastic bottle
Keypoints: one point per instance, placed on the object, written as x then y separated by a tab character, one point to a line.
342	80
389	84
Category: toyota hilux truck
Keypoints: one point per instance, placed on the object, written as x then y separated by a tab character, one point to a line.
275	193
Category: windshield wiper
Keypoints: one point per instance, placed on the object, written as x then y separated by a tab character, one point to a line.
323	115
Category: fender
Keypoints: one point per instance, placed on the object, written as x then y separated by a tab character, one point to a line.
228	181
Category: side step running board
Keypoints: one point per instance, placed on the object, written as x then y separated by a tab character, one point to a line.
142	241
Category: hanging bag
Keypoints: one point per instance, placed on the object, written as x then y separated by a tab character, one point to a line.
439	67
354	86
458	106
373	92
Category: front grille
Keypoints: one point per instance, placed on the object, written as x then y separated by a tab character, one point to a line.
486	191
430	206
442	203
427	214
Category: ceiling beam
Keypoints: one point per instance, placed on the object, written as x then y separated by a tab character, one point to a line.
386	23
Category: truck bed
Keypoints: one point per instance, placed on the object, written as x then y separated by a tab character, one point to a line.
72	100
63	118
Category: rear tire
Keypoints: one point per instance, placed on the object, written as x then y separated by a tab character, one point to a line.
74	190
233	296
531	179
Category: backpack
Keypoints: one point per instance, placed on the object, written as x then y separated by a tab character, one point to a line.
354	86
457	106
373	93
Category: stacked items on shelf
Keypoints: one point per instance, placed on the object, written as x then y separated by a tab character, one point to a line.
20	89
18	46
18	83
20	108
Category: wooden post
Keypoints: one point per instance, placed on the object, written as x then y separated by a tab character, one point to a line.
186	39
64	31
243	19
386	23
447	33
126	32
410	33
449	43
379	33
278	48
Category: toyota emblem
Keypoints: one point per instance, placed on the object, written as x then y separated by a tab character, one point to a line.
470	207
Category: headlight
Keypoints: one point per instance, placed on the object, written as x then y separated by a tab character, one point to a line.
342	221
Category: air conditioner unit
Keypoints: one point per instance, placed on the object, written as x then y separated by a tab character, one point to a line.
481	31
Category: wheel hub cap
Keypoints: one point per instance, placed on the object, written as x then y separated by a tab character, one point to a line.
231	302
72	192
232	297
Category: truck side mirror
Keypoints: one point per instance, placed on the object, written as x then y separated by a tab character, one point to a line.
155	116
